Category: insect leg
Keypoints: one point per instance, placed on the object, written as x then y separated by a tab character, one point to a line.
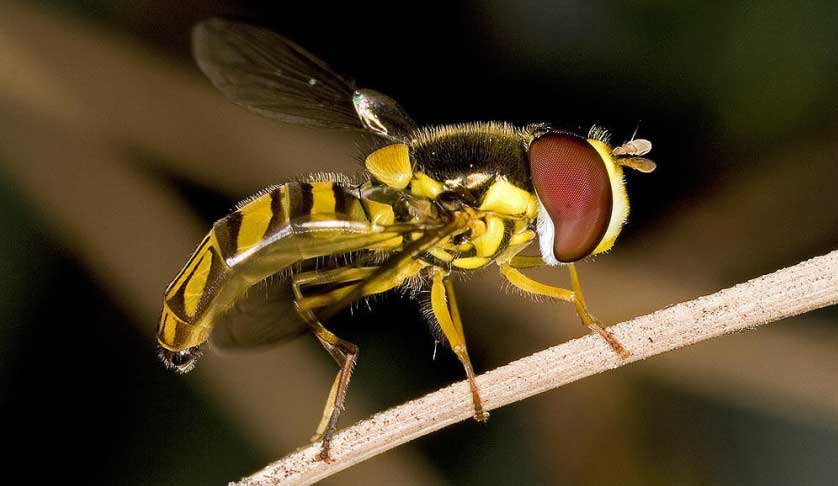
337	275
345	354
587	319
391	274
575	296
444	305
334	300
525	261
400	265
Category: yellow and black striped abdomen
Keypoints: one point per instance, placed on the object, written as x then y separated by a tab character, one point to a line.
264	215
269	232
184	297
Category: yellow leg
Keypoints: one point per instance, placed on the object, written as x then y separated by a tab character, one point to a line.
575	296
337	275
327	412
344	352
391	274
368	286
445	309
525	261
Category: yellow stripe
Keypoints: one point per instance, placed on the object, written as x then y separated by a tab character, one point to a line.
256	216
177	335
389	244
520	238
470	263
196	285
169	325
324	198
620	208
187	269
380	213
286	203
356	211
487	244
441	254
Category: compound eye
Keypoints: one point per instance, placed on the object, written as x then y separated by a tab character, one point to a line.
572	183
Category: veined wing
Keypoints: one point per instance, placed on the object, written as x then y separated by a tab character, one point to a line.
263	313
263	317
274	77
255	319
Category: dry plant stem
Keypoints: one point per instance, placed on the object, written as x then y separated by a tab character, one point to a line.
807	286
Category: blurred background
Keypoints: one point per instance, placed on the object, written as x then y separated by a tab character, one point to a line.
116	155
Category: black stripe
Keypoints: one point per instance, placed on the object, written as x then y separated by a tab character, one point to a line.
434	261
232	225
363	202
295	199
212	286
277	216
177	303
340	198
459	239
306	198
468	253
222	236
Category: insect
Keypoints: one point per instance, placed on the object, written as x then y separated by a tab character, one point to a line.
436	202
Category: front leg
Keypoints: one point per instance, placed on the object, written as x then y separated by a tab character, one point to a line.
575	296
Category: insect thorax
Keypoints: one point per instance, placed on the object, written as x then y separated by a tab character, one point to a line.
482	168
472	154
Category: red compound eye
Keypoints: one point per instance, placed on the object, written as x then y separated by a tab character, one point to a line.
572	183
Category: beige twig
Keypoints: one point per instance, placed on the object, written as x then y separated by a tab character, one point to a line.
791	291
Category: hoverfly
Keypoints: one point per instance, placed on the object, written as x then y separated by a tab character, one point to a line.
436	202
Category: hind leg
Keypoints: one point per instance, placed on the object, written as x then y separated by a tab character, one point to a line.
344	352
346	355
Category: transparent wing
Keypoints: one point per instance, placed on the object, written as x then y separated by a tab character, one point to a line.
264	317
265	314
272	76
